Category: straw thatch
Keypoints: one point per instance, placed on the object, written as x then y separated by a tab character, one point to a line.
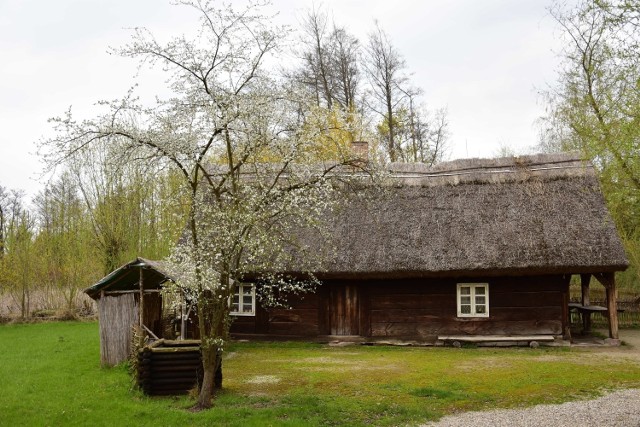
537	214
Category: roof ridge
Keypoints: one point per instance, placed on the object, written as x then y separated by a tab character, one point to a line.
491	169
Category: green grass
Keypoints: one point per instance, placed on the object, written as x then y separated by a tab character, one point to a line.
50	375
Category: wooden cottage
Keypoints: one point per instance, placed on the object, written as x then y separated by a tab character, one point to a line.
480	249
469	248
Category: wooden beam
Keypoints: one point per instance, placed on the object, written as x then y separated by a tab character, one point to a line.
132	291
585	280
150	332
608	280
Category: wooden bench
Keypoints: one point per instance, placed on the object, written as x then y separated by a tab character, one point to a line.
496	340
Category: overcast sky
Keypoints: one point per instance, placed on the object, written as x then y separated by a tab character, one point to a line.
485	61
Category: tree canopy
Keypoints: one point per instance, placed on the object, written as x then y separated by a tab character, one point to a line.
594	107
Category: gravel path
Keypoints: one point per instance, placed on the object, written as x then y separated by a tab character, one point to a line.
617	409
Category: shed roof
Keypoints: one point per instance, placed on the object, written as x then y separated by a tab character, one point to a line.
539	214
127	277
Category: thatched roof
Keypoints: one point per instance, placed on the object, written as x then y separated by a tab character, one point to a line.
127	277
537	214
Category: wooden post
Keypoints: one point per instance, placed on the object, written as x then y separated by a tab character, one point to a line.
566	321
608	280
585	280
182	319
141	283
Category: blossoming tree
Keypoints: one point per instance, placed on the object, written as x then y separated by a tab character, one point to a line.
249	164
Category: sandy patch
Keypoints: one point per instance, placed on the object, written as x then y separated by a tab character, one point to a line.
263	379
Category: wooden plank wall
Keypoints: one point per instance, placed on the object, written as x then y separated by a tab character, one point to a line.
302	319
152	316
418	309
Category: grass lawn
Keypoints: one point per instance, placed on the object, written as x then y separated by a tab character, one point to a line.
50	375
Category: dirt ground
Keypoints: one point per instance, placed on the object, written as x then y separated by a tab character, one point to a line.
630	348
632	338
616	409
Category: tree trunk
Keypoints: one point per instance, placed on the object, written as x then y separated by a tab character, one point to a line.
211	314
212	365
206	389
392	128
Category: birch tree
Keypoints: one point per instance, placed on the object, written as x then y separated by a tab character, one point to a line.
17	266
233	133
385	69
64	247
4	213
329	67
594	106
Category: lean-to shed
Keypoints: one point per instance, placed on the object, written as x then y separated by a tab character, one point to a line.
121	296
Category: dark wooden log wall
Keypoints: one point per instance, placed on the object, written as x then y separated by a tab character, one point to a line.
169	370
418	309
302	319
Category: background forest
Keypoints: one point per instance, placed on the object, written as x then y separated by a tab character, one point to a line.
93	217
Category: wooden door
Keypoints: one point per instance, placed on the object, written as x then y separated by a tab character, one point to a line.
344	310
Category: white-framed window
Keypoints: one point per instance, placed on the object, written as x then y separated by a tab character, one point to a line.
243	300
473	299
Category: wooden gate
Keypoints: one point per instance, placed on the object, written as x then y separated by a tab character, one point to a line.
344	310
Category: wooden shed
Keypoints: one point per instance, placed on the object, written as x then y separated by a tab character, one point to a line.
121	296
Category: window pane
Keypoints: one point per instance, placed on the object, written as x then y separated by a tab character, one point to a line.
465	309
465	290
480	290
246	308
247	290
465	300
246	299
235	303
480	309
480	299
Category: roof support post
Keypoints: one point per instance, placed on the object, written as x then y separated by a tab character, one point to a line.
608	280
141	283
566	321
585	280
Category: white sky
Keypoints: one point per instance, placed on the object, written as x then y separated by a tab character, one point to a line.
483	60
